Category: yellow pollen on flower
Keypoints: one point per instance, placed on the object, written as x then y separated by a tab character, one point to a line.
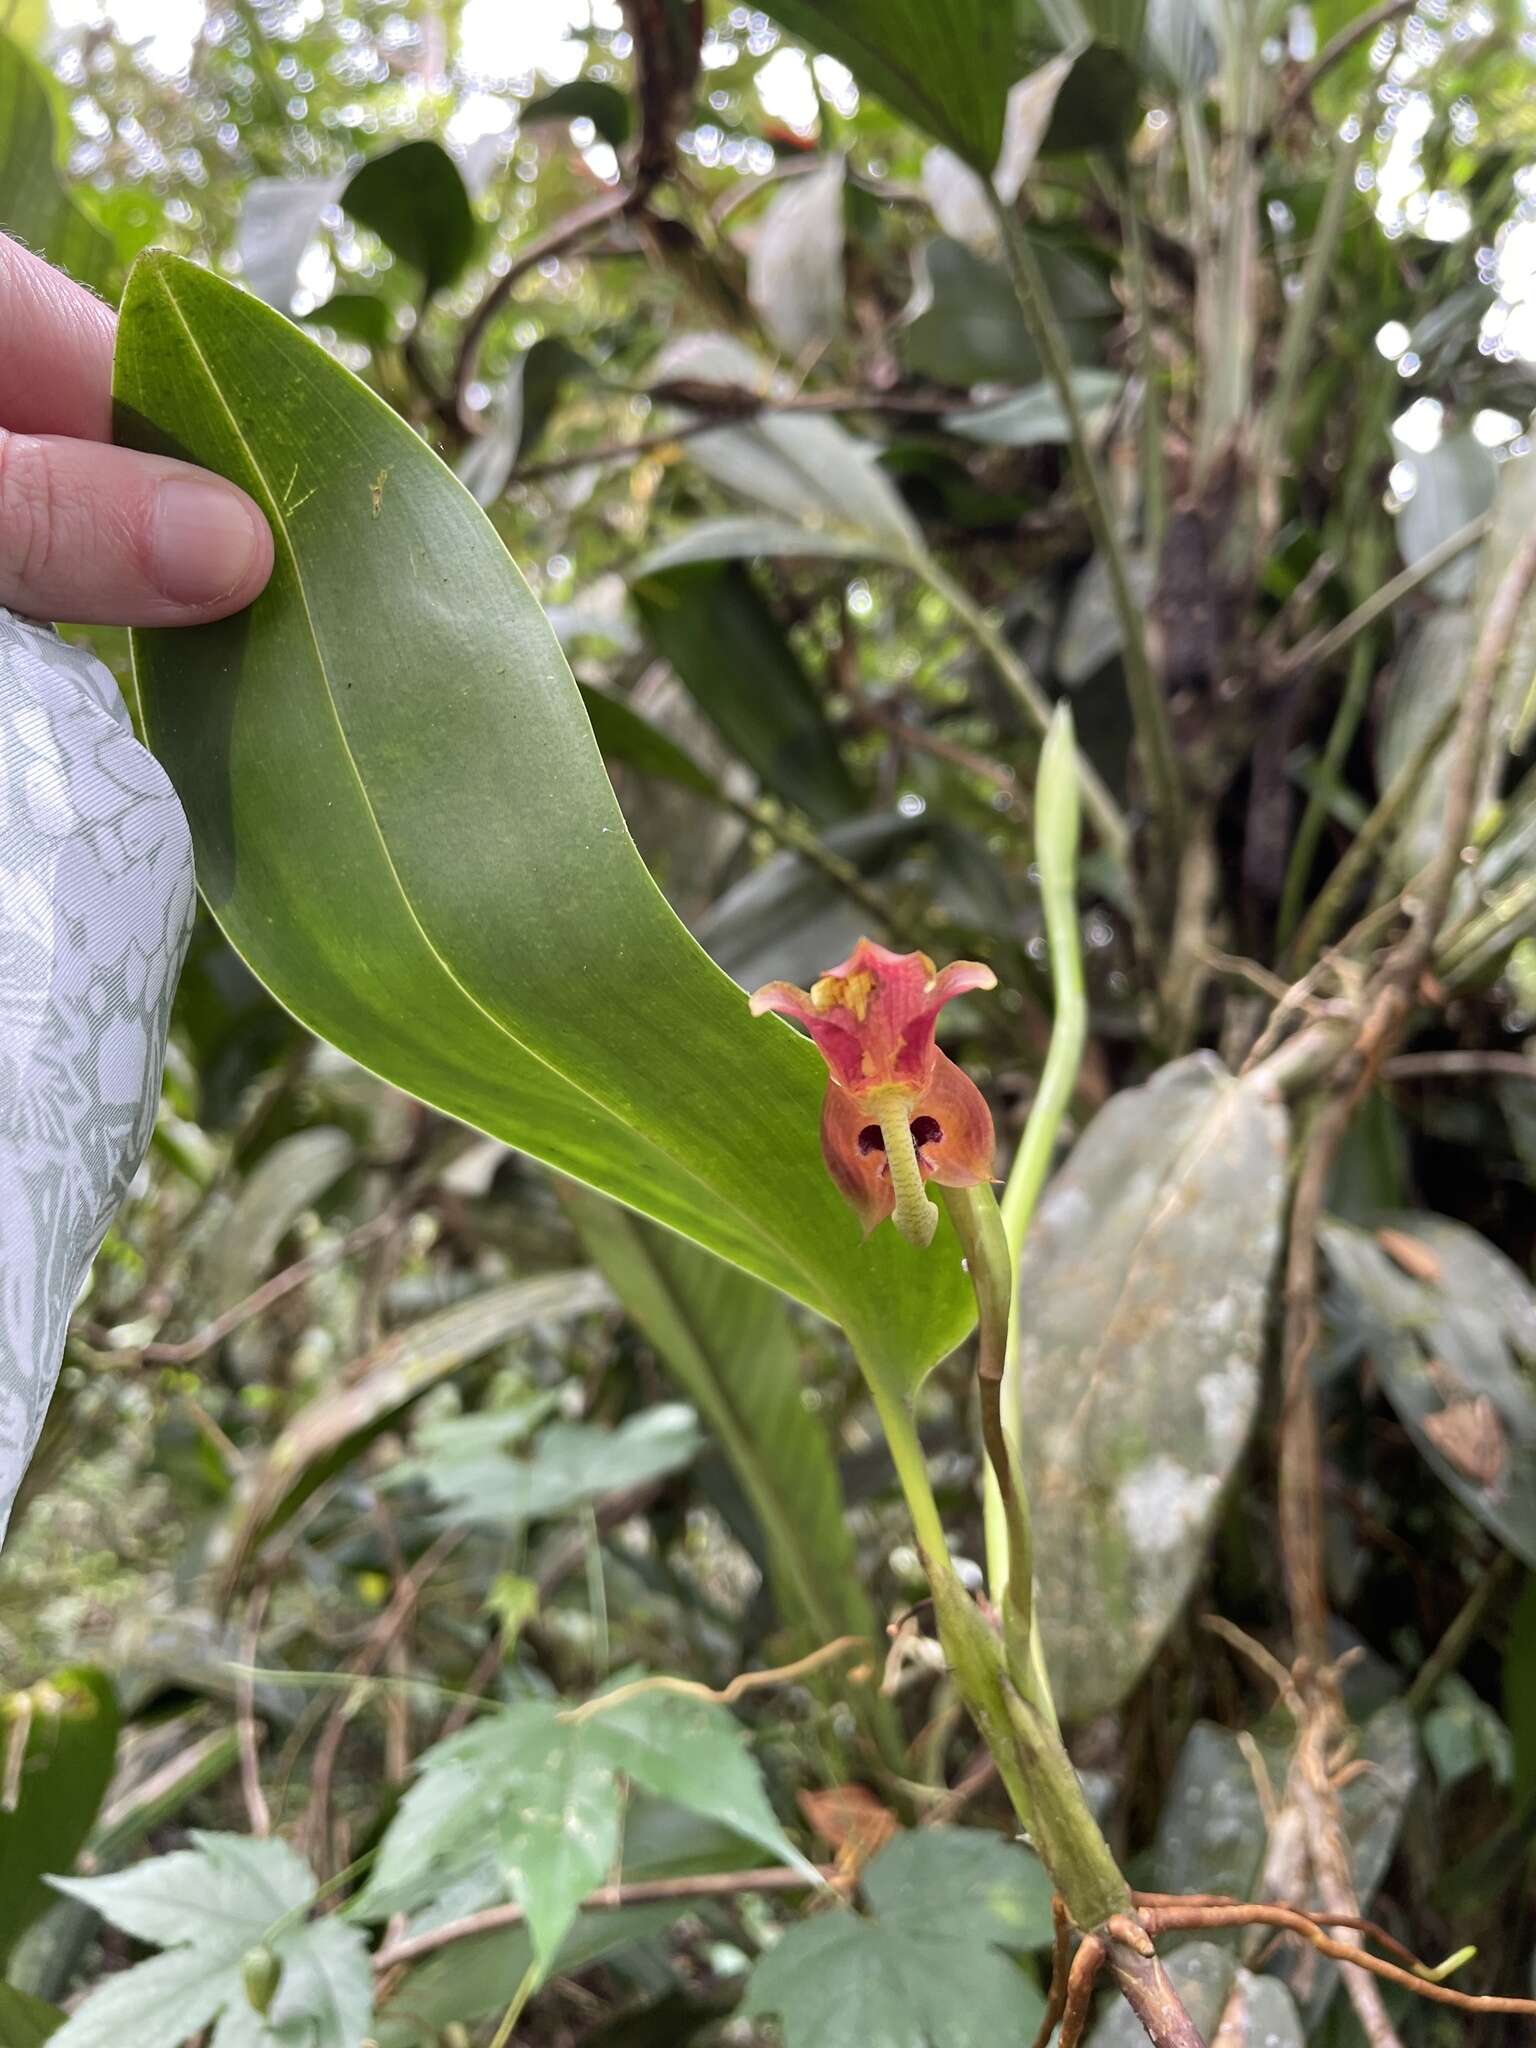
853	993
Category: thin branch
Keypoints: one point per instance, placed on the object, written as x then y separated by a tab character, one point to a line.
725	1695
1338	48
557	238
258	1814
1431	1066
266	1296
609	1898
1319	648
745	407
1185	1918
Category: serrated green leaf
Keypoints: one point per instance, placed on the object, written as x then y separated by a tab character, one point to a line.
347	738
335	1426
930	1966
532	1793
217	1901
467	1463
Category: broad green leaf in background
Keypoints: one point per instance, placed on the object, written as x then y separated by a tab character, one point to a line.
35	204
948	69
528	1800
402	823
625	737
328	1434
1453	483
727	1341
481	1470
1183	40
810	470
786	919
1429	677
284	1182
1454	1356
583	99
1211	1826
963	325
1143	1300
279	218
26	2022
58	1739
206	1907
414	200
795	261
516	416
352	316
933	1963
1226	2002
736	662
1034	418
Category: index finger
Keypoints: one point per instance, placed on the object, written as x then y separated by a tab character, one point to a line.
55	351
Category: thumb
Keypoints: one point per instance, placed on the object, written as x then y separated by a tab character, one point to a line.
101	535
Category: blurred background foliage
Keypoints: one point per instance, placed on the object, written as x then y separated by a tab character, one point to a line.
372	1406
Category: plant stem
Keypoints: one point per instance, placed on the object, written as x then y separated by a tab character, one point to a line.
1154	474
1322	647
1301	316
1148	712
1104	814
979	1226
1341	736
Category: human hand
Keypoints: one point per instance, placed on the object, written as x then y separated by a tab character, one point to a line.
88	532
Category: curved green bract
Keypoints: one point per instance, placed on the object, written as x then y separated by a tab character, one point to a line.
403	825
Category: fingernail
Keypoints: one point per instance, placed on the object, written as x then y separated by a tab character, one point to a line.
204	540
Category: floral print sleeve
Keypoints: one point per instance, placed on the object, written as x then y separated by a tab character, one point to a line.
96	902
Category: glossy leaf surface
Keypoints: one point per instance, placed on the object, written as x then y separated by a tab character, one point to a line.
391	733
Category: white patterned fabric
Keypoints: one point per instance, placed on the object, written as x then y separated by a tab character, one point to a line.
96	905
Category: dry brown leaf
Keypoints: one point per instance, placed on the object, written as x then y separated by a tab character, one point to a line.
1471	1435
851	1821
1417	1259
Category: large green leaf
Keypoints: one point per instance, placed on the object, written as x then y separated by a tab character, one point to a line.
35	205
727	1341
734	659
1144	1294
65	1730
931	1965
1456	1357
530	1797
402	823
947	68
414	199
207	1907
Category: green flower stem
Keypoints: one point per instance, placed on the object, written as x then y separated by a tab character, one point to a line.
914	1215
